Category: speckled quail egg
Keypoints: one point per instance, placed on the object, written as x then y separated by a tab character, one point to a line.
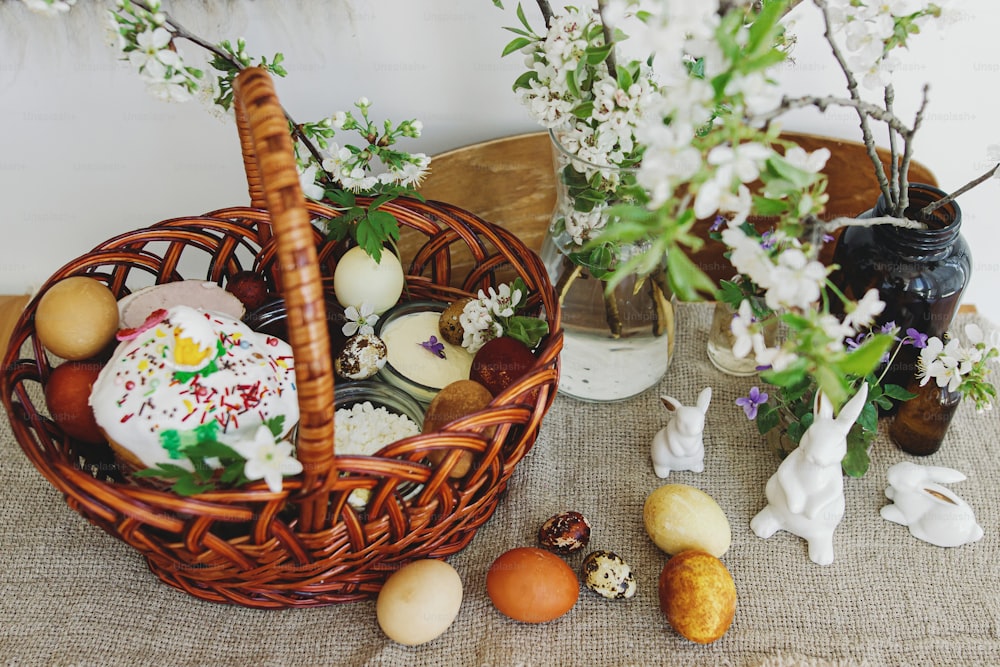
362	357
565	532
607	574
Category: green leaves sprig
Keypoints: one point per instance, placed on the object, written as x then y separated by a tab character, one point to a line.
205	477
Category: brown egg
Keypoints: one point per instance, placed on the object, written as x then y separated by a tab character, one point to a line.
450	325
697	595
501	362
67	395
76	317
565	532
456	400
250	288
532	585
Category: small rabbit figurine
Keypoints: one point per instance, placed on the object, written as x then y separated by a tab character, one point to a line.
932	512
679	446
805	496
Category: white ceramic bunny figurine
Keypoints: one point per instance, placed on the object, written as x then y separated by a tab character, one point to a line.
679	445
932	512
805	496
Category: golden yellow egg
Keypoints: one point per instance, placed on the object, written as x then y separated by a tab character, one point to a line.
679	517
76	318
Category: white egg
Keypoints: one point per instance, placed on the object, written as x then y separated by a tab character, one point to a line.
419	601
359	279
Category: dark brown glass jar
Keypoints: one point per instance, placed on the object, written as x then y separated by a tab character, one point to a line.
919	273
920	423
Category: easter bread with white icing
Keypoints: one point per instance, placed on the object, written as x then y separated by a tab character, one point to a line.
187	375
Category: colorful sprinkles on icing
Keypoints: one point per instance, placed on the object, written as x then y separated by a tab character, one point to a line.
244	378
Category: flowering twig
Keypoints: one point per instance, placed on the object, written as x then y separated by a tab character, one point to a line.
933	206
852	88
890	99
903	202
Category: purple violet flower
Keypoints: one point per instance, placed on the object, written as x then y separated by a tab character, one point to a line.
915	338
434	346
717	223
767	240
752	402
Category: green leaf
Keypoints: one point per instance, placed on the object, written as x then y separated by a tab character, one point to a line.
856	462
188	486
164	470
584	110
866	357
521	17
799	178
768	207
686	278
528	330
767	418
793	374
897	392
731	293
625	78
276	425
598	54
343	198
524	81
515	45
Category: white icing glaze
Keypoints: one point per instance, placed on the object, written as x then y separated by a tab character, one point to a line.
143	393
403	336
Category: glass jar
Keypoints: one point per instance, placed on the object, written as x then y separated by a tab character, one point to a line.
921	423
721	340
920	274
616	344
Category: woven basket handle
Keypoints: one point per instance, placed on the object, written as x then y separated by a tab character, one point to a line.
272	148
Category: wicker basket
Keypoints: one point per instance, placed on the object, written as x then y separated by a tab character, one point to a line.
305	546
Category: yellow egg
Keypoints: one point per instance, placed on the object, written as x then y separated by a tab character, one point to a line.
680	517
419	601
698	596
359	280
76	317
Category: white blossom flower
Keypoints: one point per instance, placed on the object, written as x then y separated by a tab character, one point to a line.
154	56
811	162
864	312
307	179
743	161
795	282
777	358
49	7
173	89
267	458
360	320
742	330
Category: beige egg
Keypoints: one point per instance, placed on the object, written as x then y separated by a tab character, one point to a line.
680	517
359	279
419	601
76	318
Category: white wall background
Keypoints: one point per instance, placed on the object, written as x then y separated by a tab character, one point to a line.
86	153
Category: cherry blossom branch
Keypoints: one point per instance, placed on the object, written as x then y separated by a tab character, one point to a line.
602	6
867	109
546	9
930	208
177	30
834	224
890	98
852	87
903	202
